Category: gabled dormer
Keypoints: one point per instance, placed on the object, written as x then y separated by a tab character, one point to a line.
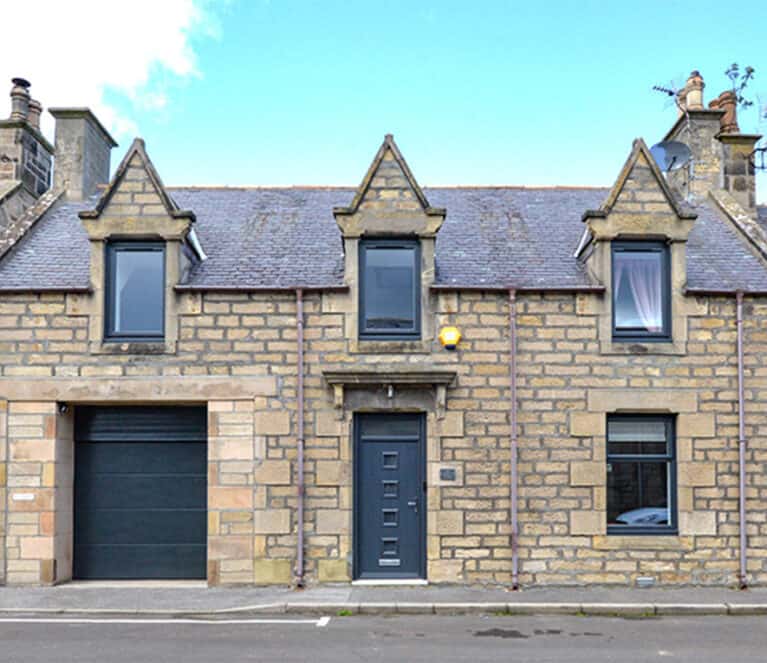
389	200
141	246
635	244
389	232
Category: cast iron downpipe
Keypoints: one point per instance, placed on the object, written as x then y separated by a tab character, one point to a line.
741	444
300	435
513	438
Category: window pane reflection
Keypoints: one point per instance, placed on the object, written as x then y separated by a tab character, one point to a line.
389	288
637	494
136	291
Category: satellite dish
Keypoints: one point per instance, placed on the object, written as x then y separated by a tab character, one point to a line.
671	155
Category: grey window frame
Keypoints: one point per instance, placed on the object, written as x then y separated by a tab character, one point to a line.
111	250
390	334
669	457
643	246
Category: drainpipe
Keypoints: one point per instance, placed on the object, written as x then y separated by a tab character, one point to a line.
300	407
513	438
741	444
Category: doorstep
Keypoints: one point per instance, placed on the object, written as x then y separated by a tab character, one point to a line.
391	582
135	584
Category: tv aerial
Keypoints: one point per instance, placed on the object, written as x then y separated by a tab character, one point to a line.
671	155
758	158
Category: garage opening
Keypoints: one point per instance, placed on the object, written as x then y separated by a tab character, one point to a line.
140	493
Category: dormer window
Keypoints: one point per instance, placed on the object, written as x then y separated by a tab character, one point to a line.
641	287
390	284
135	291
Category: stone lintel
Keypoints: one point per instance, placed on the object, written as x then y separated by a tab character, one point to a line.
401	375
129	389
136	227
642	400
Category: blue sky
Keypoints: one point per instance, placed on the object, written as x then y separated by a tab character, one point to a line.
484	92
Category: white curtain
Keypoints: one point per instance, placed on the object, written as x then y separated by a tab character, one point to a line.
643	275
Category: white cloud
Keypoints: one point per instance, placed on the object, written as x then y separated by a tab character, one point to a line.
75	51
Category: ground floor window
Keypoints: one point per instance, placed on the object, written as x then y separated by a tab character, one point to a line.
641	474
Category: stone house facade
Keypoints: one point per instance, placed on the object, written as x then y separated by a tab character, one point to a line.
286	407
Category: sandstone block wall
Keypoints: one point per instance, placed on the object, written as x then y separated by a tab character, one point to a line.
566	389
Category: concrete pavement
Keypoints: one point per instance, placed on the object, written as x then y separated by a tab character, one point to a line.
182	599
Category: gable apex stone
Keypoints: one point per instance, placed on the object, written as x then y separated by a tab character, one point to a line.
640	157
137	164
389	200
389	152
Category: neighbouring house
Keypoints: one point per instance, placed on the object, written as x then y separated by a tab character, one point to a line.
266	386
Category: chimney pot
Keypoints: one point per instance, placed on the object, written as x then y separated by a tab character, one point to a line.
34	112
19	99
690	97
728	102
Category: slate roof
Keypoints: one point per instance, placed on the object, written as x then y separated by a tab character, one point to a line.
287	237
761	215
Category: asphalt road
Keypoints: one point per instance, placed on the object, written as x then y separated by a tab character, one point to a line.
394	640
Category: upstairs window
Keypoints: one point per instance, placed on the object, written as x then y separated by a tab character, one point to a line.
641	475
135	291
641	291
390	284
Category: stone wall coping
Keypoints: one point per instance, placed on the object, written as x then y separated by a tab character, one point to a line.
76	113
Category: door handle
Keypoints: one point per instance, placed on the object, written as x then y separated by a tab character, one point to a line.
414	504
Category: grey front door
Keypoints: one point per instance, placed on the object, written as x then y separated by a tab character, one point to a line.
390	496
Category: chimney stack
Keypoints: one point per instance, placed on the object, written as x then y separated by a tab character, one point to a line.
25	155
83	150
721	154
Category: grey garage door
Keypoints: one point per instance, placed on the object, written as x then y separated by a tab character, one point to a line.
140	493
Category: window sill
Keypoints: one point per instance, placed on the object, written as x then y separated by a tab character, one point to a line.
362	346
133	347
637	348
618	530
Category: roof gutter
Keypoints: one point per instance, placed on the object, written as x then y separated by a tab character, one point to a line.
518	289
191	287
723	292
259	288
31	290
